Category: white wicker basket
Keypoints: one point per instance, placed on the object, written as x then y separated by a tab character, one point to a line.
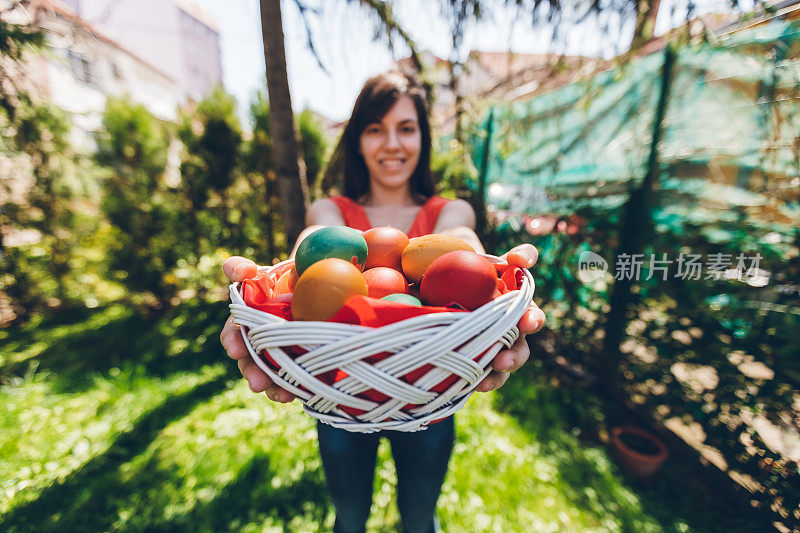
451	342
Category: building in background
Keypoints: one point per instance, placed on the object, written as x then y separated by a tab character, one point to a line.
176	36
82	67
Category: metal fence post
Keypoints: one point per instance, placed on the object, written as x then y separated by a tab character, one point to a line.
636	226
479	201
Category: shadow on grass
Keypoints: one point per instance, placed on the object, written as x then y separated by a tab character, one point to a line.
72	503
109	503
96	497
185	339
566	421
250	498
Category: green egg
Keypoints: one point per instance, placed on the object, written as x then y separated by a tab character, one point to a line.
332	241
402	299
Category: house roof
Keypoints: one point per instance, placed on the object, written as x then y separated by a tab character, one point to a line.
504	64
198	12
426	56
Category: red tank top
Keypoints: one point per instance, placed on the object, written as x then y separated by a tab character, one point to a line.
425	222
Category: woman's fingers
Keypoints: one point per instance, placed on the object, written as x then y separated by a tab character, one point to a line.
260	382
239	268
513	358
523	256
256	378
532	321
516	356
493	381
231	339
233	343
507	361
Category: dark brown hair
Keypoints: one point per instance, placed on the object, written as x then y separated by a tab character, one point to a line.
376	98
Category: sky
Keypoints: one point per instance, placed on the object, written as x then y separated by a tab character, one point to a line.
343	35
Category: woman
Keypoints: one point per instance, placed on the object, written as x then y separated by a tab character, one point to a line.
386	148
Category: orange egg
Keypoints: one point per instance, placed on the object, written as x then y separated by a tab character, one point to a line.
385	246
324	287
382	281
422	251
285	283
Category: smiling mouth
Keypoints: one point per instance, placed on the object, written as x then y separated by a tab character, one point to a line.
392	164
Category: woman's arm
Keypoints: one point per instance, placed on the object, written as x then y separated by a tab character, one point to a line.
457	218
321	213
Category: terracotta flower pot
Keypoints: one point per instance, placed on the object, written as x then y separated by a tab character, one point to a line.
638	450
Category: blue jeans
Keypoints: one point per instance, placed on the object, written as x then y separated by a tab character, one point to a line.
420	459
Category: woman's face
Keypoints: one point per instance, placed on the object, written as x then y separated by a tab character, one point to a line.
392	146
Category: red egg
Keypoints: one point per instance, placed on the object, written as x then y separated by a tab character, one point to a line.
383	281
460	277
385	247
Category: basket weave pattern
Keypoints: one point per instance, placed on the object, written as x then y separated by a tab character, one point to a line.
455	344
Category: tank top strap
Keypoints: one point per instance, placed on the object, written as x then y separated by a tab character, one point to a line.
353	214
426	219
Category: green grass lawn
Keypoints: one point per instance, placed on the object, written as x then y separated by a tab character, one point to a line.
115	422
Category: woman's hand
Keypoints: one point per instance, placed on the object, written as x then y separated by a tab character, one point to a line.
237	269
507	361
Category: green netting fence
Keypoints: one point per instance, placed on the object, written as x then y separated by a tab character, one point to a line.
711	352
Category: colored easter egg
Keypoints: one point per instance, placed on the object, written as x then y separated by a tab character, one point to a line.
382	281
422	251
385	247
332	241
285	283
324	287
402	298
460	277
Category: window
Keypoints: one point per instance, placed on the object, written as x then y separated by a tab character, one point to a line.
88	71
81	67
75	64
115	71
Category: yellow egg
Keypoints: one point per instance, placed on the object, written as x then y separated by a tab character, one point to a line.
422	251
324	288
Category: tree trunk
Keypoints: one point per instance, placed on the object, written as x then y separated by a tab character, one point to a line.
290	188
268	219
646	13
